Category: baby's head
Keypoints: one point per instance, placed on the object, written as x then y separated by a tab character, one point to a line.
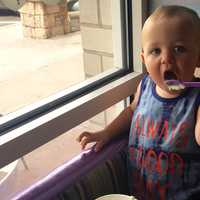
171	44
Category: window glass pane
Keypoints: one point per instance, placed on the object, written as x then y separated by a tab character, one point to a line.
46	158
50	47
83	42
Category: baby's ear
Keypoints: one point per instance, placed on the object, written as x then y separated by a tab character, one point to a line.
197	72
142	57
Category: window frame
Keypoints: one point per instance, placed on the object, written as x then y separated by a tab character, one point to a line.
26	129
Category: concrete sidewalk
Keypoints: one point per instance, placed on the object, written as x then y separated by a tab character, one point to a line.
44	66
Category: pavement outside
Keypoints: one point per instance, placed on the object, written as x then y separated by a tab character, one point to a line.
43	66
30	70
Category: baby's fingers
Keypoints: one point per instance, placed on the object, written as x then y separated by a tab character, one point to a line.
85	138
84	134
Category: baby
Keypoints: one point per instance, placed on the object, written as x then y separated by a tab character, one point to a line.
163	124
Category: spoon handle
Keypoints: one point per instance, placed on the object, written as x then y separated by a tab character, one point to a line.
191	84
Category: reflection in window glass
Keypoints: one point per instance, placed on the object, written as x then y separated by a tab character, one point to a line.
46	48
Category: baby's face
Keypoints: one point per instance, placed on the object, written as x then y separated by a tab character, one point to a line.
170	50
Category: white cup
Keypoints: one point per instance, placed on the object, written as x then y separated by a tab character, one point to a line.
116	197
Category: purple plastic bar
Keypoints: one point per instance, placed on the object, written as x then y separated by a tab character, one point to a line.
184	83
70	172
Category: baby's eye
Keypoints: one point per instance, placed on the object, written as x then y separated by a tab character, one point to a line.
155	51
179	49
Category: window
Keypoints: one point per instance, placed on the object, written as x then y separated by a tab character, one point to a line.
104	84
33	125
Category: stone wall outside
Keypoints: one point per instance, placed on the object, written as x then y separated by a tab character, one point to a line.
97	42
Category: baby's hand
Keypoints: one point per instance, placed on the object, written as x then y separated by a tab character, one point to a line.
88	137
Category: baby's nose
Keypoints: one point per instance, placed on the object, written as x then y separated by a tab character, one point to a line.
167	57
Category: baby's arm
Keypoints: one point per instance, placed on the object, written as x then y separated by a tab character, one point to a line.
197	127
120	125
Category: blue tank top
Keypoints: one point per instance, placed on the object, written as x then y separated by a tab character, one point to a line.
164	158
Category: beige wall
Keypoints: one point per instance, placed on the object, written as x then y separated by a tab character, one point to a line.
96	32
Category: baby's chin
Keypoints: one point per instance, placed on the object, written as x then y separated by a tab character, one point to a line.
164	92
176	91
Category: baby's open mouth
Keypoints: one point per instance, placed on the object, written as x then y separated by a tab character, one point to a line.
172	81
169	75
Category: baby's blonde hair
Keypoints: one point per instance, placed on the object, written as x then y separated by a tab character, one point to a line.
174	10
170	11
186	14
